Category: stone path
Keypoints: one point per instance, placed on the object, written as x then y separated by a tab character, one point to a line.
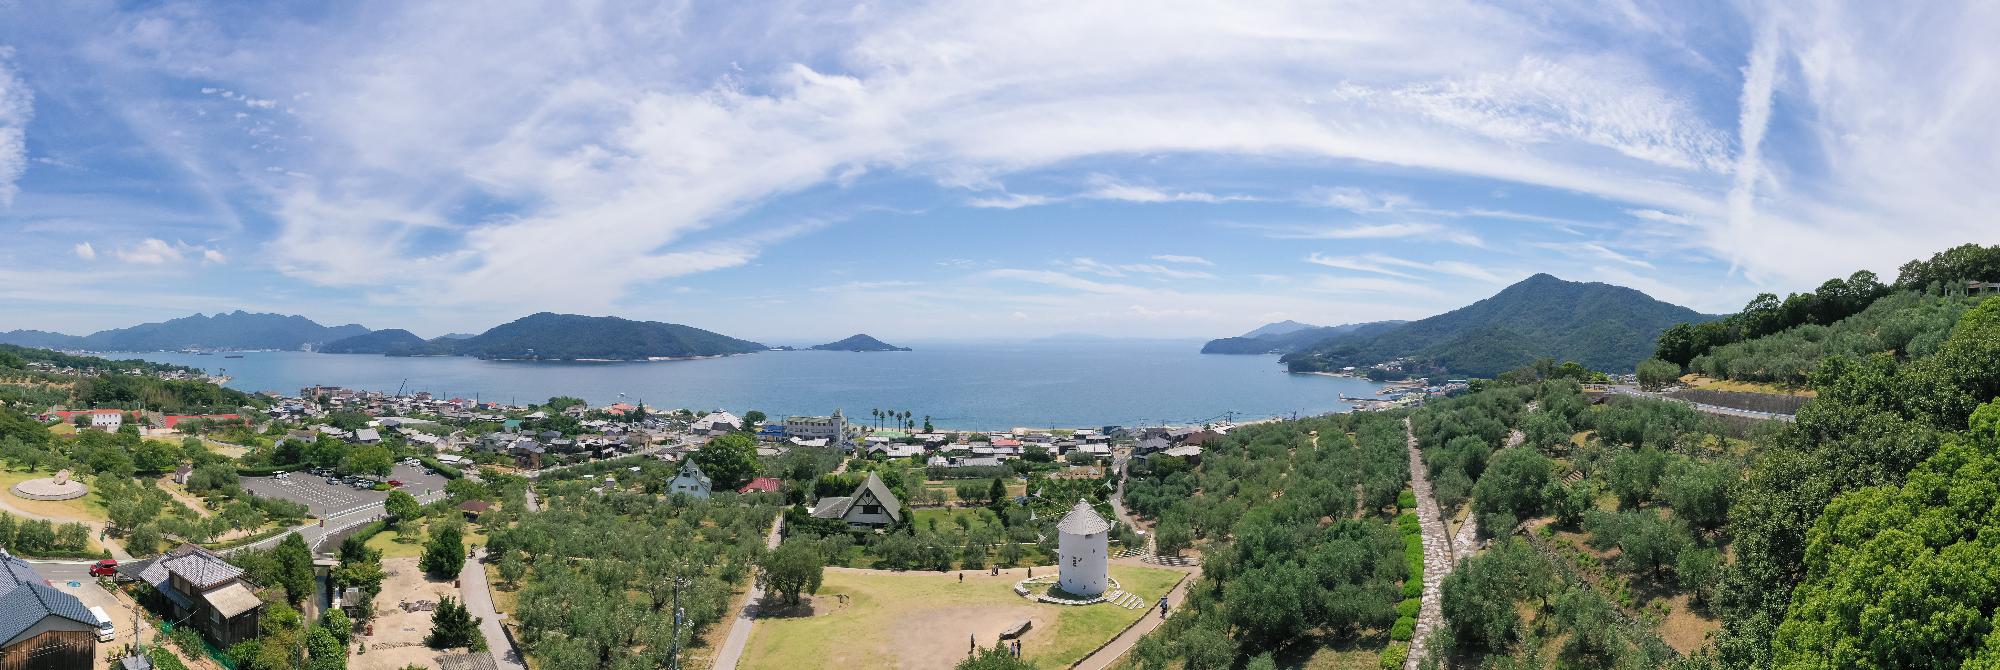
1119	646
1437	555
478	596
739	627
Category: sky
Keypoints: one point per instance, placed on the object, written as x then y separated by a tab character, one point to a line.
786	171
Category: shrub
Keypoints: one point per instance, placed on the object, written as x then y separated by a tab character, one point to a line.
1406	500
1408	608
1404	628
1394	655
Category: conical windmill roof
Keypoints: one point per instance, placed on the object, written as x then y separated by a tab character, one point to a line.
1083	520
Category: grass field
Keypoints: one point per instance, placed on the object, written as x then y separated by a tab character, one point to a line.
925	620
387	542
89	508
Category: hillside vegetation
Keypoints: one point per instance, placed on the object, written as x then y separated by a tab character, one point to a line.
1604	327
1285	341
569	337
1907	325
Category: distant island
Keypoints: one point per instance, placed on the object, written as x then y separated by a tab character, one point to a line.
1285	337
541	336
859	343
394	341
236	330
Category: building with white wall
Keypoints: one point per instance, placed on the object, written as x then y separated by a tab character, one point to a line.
1083	547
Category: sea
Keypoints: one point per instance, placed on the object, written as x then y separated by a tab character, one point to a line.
959	385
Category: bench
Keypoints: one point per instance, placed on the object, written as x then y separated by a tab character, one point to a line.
1017	630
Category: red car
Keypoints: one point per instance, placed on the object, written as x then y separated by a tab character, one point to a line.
104	568
395	483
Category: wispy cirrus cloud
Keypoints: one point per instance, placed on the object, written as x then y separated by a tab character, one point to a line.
16	110
1368	231
1393	266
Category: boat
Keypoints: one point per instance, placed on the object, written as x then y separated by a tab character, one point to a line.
234	356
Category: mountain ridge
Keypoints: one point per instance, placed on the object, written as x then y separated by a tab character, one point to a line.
225	330
1602	326
1291	341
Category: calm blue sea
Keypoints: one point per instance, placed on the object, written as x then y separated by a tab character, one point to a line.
977	386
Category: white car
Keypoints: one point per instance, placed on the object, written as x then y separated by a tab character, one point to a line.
106	631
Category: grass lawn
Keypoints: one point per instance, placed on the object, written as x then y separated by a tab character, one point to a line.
88	508
387	542
924	620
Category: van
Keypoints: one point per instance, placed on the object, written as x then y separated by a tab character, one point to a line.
106	631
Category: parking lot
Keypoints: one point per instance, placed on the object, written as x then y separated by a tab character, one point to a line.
322	498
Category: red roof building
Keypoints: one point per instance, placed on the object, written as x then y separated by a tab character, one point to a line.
762	485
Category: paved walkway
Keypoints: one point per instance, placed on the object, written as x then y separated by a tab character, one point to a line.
739	628
1437	555
472	585
1119	646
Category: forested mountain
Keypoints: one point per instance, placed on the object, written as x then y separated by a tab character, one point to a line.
394	341
231	330
1279	328
1288	341
552	336
1604	327
861	342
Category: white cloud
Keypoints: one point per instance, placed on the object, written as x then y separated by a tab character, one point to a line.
85	251
1010	201
151	251
155	251
16	109
1186	260
1596	251
1358	200
1092	266
1392	266
1371	231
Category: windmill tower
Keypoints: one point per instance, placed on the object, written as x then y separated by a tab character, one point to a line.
1082	547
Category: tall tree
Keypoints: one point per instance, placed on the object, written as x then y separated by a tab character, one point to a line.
444	554
793	569
294	568
729	460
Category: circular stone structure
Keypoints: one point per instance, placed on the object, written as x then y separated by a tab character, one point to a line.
59	487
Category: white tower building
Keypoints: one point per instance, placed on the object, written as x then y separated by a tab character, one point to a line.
1082	546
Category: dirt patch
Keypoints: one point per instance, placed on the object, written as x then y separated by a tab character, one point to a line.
939	625
399	635
1684	629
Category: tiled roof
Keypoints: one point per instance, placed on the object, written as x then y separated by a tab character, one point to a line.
1083	520
192	563
25	600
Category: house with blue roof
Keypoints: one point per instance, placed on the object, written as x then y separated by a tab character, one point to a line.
41	627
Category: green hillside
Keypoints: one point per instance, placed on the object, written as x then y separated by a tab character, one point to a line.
390	341
552	336
1604	327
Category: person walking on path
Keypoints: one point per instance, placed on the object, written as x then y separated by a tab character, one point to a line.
1163	607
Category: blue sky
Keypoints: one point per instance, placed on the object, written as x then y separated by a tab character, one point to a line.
792	171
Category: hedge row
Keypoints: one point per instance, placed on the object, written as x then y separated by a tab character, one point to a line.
442	469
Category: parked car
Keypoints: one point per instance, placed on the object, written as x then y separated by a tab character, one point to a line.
104	568
396	483
333	480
